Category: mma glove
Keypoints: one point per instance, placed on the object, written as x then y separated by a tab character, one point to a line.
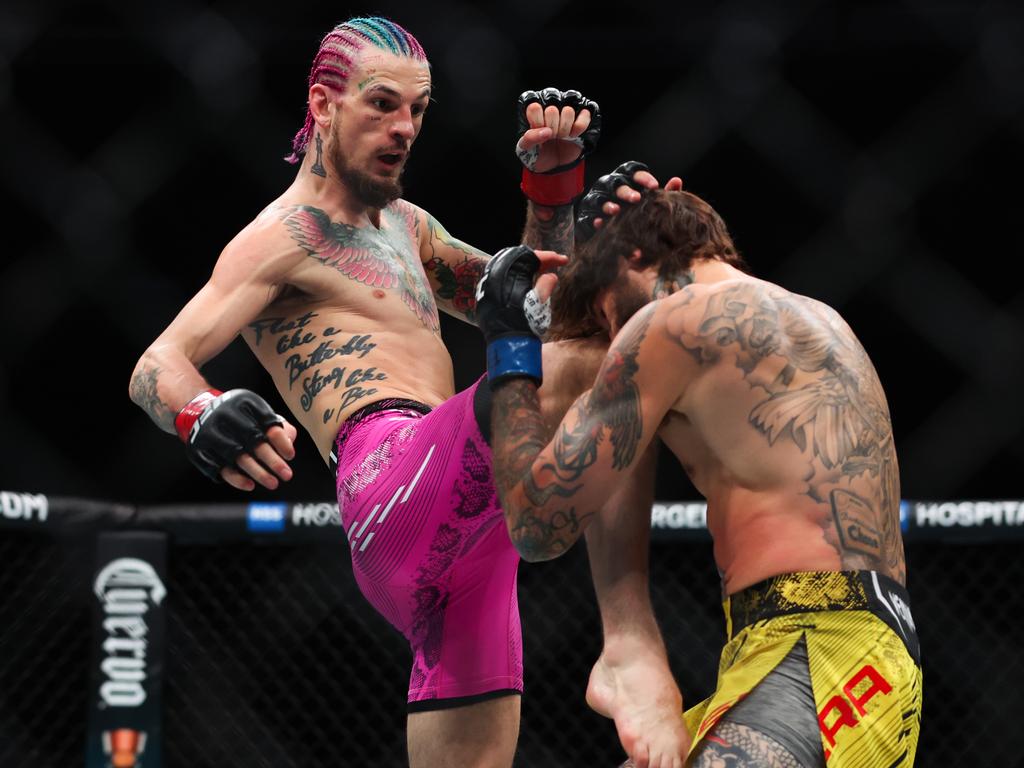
563	184
603	191
218	427
513	343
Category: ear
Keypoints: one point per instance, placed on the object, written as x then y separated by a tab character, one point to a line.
321	103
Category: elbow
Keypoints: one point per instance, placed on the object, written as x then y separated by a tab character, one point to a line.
533	551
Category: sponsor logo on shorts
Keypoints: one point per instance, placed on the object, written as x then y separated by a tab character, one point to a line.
679	515
319	515
902	610
967	514
24	506
849	709
126	588
267	517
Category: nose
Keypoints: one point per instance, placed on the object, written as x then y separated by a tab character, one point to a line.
402	126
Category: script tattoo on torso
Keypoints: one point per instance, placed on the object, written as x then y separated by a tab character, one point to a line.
387	258
837	414
315	362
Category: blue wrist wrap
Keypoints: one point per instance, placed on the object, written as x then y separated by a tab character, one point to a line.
514	356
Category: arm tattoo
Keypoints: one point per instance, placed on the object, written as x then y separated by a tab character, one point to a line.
144	394
519	435
550	234
456	282
542	521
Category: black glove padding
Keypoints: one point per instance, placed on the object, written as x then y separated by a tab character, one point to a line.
512	347
501	292
552	97
231	424
603	191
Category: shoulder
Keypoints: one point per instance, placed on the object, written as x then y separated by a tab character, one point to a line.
412	216
267	249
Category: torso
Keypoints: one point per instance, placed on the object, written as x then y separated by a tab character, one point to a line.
353	320
784	427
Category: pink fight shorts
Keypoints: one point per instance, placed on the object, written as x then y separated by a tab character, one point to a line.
430	549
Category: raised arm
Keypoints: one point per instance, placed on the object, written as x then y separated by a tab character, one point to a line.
557	130
168	386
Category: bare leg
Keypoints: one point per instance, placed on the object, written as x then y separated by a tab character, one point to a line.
631	681
481	735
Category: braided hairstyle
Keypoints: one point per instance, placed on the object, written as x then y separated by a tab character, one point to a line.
335	60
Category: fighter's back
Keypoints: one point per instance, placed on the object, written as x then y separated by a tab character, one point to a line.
783	425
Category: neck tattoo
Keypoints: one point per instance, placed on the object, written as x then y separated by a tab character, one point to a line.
318	167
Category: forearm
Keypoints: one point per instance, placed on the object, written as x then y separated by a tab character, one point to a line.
543	522
549	229
163	381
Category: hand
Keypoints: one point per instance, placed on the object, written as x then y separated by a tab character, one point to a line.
557	129
626	184
503	299
237	437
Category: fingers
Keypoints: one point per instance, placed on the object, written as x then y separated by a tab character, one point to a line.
534	137
581	123
267	464
236	479
562	123
674	184
545	286
550	260
282	440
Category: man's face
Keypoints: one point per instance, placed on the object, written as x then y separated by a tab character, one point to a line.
377	119
631	291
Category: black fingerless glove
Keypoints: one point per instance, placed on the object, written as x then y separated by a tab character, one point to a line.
217	427
564	183
512	348
603	191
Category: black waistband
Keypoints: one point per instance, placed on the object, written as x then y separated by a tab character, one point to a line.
387	404
791	593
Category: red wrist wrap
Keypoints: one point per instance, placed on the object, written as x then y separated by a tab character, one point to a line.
553	188
187	416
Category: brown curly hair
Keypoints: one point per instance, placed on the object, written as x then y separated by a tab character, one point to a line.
671	229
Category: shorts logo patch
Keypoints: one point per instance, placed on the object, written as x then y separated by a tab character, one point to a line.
842	711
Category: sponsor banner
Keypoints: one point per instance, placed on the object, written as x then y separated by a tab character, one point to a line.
129	593
969	520
264	517
23	509
315	515
966	520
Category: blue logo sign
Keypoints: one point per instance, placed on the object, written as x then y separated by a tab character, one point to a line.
267	517
904	516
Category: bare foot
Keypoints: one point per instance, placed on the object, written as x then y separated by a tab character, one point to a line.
634	686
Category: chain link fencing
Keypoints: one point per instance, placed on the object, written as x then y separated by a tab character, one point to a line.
274	659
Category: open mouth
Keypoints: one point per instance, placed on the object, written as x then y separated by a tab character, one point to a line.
390	160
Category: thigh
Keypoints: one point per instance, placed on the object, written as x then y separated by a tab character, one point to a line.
775	724
731	745
479	735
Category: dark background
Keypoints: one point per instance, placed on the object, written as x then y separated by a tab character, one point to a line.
866	154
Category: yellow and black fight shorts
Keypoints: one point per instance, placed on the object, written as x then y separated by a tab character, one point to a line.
827	664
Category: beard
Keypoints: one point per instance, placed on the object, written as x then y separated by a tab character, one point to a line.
373	191
629	299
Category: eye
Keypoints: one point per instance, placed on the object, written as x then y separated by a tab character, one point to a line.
418	109
382	104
